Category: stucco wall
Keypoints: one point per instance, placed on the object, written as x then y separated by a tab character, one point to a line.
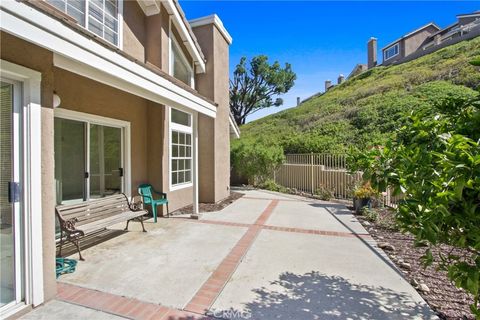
22	53
89	96
134	30
214	85
414	42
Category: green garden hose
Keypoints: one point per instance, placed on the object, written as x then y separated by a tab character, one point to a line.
65	266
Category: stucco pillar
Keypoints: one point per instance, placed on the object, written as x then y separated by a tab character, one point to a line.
156	51
214	134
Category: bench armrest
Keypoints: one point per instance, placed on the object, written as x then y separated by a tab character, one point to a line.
69	225
135	206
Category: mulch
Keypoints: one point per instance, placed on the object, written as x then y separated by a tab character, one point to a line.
210	207
443	297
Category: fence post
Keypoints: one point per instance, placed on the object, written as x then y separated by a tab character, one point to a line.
311	165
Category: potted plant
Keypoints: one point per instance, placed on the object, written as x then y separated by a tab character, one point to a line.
362	197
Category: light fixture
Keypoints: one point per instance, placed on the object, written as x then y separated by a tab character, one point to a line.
56	100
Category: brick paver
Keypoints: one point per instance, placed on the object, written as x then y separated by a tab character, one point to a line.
121	306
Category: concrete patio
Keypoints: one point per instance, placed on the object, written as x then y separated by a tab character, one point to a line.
266	256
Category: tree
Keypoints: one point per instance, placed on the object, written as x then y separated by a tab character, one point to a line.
253	88
435	164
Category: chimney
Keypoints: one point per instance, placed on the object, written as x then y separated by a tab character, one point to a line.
298	101
372	52
328	85
341	79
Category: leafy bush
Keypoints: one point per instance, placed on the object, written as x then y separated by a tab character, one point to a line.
370	214
254	160
324	193
365	192
435	163
271	185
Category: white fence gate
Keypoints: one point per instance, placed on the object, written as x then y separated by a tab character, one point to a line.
314	172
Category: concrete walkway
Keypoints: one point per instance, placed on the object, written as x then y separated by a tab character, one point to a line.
266	256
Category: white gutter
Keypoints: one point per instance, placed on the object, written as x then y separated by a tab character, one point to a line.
187	39
80	54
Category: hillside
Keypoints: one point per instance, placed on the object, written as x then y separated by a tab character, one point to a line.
366	109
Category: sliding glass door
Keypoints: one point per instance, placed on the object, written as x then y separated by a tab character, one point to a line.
88	160
11	227
106	170
70	160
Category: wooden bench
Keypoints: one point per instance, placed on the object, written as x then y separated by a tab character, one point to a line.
78	220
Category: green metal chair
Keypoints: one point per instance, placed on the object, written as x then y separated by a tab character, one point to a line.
147	191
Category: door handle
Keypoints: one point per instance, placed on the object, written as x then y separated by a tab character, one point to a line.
13	192
87	175
120	172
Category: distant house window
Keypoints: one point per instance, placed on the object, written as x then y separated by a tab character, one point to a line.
180	68
180	149
391	52
98	16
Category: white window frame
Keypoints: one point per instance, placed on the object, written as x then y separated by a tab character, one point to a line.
119	21
184	129
397	45
31	147
174	42
104	121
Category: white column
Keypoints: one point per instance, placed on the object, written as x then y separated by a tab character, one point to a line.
195	165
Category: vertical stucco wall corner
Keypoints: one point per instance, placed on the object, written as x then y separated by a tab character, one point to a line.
214	157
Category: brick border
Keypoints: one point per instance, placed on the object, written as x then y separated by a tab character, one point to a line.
211	289
120	306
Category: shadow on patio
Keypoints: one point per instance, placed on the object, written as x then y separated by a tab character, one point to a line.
317	296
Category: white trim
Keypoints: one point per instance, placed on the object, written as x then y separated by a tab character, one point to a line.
149	7
215	20
469	15
233	126
392	46
195	210
77	53
110	122
120	24
32	178
185	129
182	28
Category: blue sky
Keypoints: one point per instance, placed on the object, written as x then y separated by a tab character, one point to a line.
320	39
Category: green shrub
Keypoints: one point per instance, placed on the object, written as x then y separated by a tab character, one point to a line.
435	163
271	185
254	160
324	193
370	214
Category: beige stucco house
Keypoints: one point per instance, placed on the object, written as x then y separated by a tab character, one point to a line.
99	96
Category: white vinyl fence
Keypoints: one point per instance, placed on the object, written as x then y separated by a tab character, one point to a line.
315	173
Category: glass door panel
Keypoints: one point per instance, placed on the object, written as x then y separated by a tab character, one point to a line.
70	160
7	217
106	170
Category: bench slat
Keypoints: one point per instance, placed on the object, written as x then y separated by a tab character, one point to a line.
67	210
119	196
101	224
92	212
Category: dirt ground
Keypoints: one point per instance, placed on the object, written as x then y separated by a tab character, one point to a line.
447	300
